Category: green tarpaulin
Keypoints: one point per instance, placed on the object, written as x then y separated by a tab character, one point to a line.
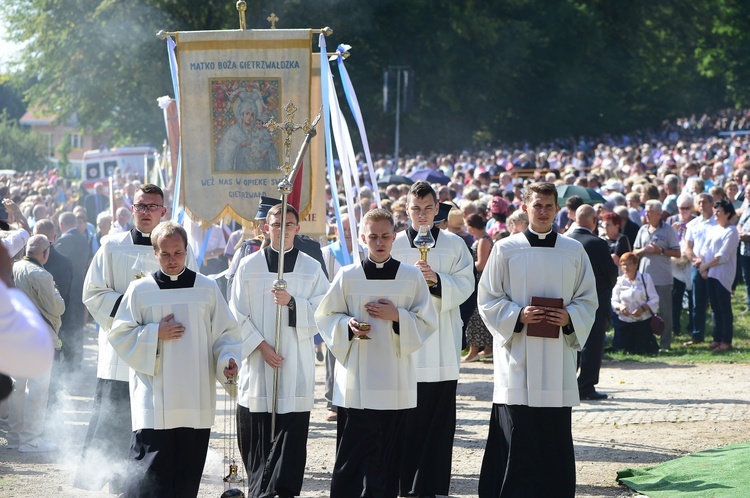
722	472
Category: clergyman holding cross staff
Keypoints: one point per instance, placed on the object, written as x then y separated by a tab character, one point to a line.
276	465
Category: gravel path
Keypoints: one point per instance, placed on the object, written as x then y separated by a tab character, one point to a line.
656	412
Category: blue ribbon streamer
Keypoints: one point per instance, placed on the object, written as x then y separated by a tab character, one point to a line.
177	213
324	75
351	98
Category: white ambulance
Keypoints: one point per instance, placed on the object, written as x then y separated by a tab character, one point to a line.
99	165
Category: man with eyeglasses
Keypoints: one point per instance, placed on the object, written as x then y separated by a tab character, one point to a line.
122	258
449	271
278	467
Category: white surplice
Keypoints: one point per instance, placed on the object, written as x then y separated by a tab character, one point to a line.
438	360
536	371
378	373
173	382
108	277
252	303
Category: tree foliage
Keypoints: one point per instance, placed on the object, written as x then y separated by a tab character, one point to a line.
486	71
19	149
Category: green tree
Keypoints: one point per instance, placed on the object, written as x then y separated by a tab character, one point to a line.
486	70
63	149
19	149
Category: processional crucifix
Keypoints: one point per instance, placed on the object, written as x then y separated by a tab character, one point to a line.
288	127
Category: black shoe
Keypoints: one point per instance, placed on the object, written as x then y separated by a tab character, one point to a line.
593	396
319	355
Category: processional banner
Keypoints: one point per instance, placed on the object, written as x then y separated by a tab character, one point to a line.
231	83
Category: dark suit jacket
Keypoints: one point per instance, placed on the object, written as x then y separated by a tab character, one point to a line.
90	204
605	270
62	271
631	231
60	268
75	246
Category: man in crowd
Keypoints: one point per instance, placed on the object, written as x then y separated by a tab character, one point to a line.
375	377
96	203
28	409
426	464
75	247
605	273
655	244
61	270
167	320
696	236
275	463
535	382
121	259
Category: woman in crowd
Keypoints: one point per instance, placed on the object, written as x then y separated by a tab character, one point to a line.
682	282
633	299
617	241
518	221
718	268
744	231
477	335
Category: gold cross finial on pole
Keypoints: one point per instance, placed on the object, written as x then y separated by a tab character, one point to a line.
273	20
288	127
242	7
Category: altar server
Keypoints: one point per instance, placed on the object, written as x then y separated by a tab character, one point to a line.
276	468
176	333
375	381
335	259
122	258
529	449
426	468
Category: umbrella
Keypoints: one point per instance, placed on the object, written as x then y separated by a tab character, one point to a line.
429	175
394	180
589	195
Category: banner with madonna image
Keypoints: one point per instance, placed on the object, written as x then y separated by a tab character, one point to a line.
230	84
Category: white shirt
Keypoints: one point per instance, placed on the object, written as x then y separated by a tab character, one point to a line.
722	243
26	348
696	232
14	240
634	294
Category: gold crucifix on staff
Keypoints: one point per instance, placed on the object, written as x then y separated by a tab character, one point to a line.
273	19
288	127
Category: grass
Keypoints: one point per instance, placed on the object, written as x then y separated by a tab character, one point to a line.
700	353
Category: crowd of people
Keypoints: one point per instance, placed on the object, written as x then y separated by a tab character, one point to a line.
516	273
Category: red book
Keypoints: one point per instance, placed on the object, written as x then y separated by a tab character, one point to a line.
544	328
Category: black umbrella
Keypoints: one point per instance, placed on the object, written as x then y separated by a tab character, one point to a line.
430	175
589	195
394	180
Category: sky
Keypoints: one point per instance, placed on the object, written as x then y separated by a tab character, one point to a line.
7	49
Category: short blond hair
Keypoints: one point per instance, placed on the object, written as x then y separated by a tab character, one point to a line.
167	229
